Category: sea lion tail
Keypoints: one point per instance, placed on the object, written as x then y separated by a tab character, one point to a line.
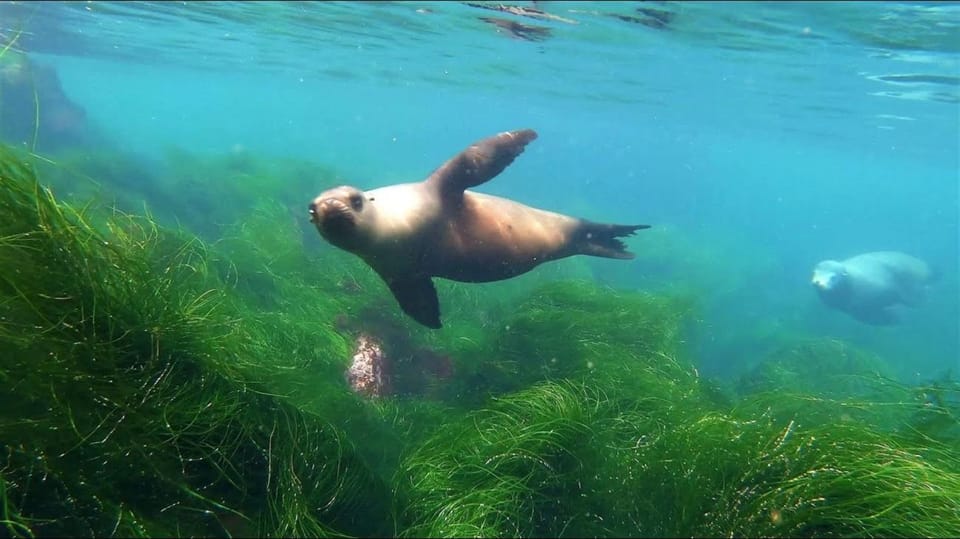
600	239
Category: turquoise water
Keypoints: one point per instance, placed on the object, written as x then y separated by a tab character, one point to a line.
756	138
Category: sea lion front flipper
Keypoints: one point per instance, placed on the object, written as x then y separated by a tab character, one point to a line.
417	297
480	162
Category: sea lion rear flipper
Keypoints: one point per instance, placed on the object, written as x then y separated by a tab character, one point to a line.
600	239
417	297
480	162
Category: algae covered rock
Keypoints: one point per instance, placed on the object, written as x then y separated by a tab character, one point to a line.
815	366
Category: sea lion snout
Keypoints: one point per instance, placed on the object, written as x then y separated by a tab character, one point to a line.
323	208
819	280
332	216
827	275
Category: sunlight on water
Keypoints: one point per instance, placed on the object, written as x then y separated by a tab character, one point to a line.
380	39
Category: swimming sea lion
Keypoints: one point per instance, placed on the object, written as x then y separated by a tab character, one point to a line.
411	232
869	286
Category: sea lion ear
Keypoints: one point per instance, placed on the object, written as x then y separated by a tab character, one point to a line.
480	162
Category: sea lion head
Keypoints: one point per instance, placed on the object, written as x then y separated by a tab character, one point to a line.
828	274
343	216
829	278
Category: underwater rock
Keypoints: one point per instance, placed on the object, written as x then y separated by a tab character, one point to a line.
434	364
367	373
824	367
371	373
388	362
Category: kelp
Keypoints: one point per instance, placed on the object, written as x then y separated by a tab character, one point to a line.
543	459
205	194
493	474
817	367
561	459
134	401
823	473
160	384
215	192
625	439
577	330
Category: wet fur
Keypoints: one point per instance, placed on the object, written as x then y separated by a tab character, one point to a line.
871	286
411	232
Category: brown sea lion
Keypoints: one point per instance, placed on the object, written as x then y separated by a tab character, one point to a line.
411	232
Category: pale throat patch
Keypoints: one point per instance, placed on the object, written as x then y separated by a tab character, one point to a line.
399	208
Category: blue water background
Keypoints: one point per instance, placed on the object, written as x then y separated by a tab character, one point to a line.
756	138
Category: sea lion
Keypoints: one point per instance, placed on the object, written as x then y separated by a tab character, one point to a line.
411	232
34	110
870	286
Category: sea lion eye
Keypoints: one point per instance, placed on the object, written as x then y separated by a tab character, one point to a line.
356	202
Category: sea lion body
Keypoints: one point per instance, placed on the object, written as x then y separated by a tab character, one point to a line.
870	286
488	238
411	232
492	238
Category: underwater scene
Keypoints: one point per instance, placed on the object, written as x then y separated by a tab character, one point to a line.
480	269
